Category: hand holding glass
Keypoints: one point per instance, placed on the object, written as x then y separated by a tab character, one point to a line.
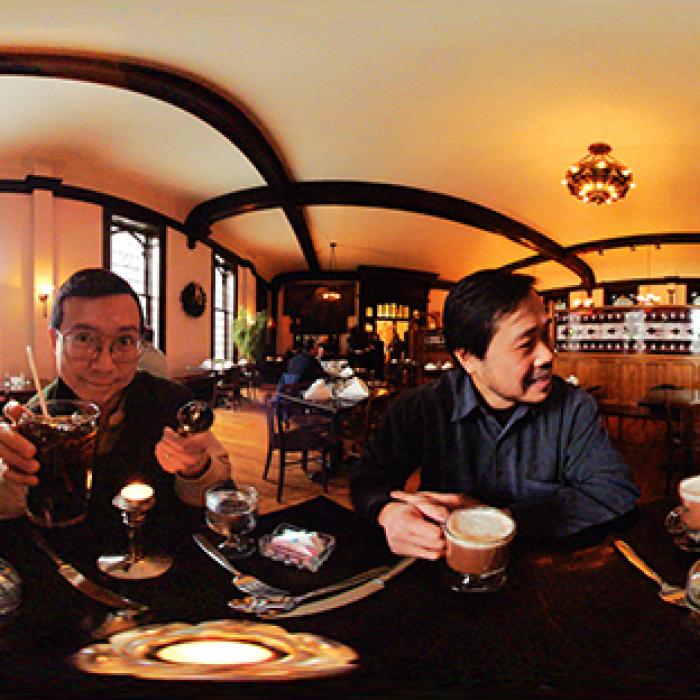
231	512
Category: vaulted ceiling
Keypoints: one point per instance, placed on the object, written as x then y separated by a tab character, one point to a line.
424	135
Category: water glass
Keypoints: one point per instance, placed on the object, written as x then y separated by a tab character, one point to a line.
231	511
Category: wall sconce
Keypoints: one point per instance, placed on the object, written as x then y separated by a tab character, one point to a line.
43	297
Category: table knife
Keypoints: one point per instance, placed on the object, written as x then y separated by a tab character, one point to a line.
346	597
85	585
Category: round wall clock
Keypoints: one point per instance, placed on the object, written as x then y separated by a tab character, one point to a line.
194	299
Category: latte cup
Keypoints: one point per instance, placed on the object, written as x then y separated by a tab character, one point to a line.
685	518
477	541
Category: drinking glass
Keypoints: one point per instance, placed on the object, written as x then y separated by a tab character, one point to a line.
477	540
65	447
231	511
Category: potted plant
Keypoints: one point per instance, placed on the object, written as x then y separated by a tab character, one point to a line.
249	335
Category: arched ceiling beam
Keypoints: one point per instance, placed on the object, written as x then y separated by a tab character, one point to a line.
676	238
388	196
184	93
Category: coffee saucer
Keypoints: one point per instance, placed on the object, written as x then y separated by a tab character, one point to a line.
686	543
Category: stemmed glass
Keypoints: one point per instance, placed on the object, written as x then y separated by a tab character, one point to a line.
231	511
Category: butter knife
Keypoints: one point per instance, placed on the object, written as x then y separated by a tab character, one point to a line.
253	604
346	597
85	585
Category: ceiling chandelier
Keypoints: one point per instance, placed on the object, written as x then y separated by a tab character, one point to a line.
598	177
331	293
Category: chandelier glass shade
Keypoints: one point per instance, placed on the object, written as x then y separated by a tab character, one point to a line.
598	177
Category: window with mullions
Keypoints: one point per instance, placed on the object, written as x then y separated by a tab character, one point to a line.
135	252
223	305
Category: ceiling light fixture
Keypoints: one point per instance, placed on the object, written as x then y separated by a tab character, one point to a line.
598	177
331	293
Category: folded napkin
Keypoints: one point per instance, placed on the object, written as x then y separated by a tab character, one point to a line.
318	391
447	365
354	389
572	379
430	366
347	372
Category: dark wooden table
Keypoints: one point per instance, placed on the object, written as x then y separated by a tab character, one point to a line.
574	619
673	397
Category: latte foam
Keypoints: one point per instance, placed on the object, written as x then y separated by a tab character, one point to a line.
481	525
690	488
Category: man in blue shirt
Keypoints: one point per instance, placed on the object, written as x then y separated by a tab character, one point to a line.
499	429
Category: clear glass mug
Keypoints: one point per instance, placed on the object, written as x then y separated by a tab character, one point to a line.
685	518
65	450
477	543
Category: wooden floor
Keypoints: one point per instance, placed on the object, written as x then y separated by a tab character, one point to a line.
243	433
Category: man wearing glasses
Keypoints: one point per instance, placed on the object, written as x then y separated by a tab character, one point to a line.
95	333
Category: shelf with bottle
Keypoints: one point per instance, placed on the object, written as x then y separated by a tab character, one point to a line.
669	329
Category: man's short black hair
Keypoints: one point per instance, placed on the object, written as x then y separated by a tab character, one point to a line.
476	304
90	283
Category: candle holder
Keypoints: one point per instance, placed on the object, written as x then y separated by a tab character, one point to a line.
134	501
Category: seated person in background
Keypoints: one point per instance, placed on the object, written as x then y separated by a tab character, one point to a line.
498	429
306	364
95	334
152	360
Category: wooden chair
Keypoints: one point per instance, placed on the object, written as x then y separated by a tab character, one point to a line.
310	442
359	426
682	441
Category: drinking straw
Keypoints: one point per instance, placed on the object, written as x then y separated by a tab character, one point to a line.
37	383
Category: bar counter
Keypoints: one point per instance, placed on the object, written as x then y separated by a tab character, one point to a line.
627	377
574	619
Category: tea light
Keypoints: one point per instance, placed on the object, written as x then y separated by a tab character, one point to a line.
222	652
136	494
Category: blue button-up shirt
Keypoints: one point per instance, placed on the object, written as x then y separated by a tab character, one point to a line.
552	463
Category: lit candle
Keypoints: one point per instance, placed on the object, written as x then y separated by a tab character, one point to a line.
225	652
135	494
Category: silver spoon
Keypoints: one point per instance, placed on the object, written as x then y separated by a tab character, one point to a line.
195	416
667	592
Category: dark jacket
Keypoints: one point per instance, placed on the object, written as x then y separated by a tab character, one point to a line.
552	463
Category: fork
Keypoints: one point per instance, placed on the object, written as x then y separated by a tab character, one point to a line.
667	592
243	582
286	603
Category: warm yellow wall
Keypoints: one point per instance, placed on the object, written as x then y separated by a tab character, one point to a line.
16	282
45	239
188	339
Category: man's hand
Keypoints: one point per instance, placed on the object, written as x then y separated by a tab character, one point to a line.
16	452
187	456
412	522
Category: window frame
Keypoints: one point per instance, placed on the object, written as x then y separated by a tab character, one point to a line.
157	231
229	314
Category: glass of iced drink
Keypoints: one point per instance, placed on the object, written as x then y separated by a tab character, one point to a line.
65	444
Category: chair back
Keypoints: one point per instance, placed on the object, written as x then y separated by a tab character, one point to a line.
290	383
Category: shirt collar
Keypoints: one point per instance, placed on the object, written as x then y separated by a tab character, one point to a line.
466	400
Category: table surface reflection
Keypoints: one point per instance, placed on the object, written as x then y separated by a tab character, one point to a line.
573	619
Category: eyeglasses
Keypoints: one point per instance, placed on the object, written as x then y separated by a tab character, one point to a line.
85	344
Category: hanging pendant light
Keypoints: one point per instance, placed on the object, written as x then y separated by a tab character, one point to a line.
331	293
598	177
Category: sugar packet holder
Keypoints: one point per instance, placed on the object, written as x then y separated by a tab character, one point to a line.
295	546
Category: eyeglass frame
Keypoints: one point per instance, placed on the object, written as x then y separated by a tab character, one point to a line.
140	347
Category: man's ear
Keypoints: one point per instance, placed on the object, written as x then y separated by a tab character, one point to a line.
465	359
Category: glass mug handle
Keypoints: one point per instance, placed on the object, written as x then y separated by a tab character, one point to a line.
673	522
